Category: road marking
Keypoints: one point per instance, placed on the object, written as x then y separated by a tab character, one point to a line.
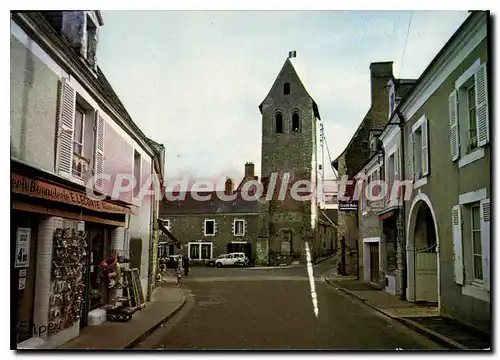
310	272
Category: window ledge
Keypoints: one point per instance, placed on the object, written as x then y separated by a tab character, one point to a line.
476	292
420	182
209	234
470	158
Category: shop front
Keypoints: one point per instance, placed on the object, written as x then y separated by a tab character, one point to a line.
59	240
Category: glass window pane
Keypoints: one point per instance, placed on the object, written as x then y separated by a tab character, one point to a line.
475	218
478	268
205	251
194	252
476	239
79	126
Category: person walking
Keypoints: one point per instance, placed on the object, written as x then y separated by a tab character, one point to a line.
185	265
179	271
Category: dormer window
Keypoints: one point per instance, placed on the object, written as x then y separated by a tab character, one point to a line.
80	29
286	89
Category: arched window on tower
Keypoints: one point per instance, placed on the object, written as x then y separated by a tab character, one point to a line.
279	123
286	89
295	122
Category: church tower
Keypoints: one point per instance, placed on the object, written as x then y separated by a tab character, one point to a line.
289	146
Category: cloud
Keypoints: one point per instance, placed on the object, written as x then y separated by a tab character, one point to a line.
193	80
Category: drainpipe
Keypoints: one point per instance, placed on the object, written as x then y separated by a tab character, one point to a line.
403	208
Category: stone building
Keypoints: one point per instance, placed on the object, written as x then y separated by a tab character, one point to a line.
289	153
350	161
225	222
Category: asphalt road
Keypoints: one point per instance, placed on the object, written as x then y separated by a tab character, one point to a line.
233	308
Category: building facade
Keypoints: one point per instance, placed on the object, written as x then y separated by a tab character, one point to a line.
67	124
212	223
447	136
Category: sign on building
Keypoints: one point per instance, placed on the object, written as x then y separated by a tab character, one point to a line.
23	238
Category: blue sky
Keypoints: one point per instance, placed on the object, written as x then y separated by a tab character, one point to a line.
193	80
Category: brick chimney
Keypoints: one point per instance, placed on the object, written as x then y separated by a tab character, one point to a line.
380	74
249	170
228	189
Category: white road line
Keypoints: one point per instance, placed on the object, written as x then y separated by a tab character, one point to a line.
310	272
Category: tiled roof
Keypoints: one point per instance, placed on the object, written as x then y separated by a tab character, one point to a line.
215	205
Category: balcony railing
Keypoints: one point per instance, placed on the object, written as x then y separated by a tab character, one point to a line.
80	165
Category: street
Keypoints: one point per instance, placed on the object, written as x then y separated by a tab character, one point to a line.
234	308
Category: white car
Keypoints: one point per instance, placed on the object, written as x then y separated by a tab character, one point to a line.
232	259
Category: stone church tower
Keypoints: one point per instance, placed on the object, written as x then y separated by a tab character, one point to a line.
289	145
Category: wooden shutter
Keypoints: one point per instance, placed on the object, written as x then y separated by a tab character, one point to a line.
65	126
234	227
203	227
485	240
482	116
215	227
99	149
453	121
457	245
412	156
425	148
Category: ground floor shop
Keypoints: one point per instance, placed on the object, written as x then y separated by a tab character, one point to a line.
68	261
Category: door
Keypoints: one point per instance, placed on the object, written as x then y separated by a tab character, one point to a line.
374	262
426	277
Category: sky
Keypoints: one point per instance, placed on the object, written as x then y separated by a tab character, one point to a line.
193	80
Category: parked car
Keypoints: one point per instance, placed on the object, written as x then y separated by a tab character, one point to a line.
233	259
211	262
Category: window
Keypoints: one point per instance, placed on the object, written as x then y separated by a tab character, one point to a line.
295	122
200	250
469	113
419	149
476	243
471	243
279	123
80	163
286	89
239	227
209	228
137	173
167	223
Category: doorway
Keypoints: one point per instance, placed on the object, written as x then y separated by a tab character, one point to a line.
374	262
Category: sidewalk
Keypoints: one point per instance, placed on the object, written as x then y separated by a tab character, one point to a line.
165	302
423	319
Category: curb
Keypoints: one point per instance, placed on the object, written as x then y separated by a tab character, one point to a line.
431	334
144	335
327	258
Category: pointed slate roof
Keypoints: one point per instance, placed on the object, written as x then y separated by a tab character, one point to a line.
288	63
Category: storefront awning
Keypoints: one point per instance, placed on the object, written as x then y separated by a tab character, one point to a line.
167	233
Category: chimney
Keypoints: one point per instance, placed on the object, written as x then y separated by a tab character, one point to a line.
380	73
249	170
228	189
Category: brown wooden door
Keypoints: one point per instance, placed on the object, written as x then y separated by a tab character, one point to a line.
374	262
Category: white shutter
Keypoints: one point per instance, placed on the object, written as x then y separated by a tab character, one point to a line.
412	156
215	227
482	116
453	118
203	227
245	227
65	125
457	245
425	148
99	149
234	227
485	240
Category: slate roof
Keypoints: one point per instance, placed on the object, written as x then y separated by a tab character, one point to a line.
215	205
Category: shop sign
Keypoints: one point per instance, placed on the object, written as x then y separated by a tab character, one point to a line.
26	186
22	283
387	215
23	237
348	205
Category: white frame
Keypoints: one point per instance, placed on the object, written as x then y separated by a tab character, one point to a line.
418	126
82	144
243	227
199	244
205	227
